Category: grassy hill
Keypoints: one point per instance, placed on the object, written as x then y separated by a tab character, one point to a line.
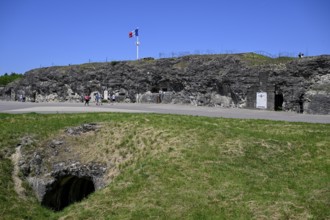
184	167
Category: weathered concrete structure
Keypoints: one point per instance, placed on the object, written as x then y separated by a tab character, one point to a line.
300	85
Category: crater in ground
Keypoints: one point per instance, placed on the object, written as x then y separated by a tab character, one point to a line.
72	164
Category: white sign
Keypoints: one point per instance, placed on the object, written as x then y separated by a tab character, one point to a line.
261	100
105	97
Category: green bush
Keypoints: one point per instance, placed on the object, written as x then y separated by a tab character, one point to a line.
114	63
6	79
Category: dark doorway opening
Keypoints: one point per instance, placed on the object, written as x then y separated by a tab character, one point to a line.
301	104
67	190
278	105
154	90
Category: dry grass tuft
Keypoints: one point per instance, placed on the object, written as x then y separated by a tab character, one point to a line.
119	145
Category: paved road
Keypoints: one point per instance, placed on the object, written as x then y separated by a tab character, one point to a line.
25	107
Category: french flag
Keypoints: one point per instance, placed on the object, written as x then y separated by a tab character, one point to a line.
133	33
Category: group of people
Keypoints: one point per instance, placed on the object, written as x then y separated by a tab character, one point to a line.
98	98
21	98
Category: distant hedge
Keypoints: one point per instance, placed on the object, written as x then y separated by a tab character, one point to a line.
6	78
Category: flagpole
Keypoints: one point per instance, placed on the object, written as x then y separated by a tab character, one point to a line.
137	47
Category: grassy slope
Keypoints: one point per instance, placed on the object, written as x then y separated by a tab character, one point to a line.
257	59
192	167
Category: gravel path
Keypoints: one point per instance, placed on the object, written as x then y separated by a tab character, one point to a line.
46	108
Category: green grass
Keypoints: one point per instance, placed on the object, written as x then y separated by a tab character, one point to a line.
257	59
186	167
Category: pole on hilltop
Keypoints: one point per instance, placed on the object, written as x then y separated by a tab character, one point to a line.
137	47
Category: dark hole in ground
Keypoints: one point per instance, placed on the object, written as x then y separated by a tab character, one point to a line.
67	190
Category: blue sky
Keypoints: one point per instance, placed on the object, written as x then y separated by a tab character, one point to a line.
40	33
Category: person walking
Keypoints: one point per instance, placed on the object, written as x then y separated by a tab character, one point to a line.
113	98
87	98
101	99
97	98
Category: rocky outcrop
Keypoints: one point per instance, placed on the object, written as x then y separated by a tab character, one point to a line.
300	85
